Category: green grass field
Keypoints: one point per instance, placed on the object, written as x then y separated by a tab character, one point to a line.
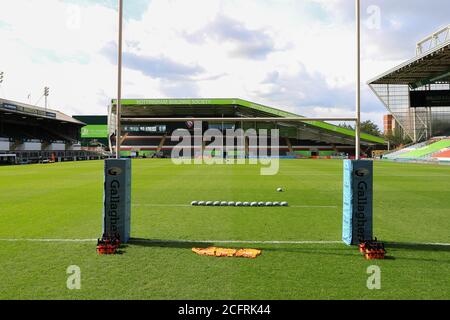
64	201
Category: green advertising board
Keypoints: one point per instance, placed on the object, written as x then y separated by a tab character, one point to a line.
94	131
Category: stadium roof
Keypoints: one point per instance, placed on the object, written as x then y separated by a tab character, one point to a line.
432	66
18	108
221	107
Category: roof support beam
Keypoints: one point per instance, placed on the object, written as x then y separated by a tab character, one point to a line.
445	75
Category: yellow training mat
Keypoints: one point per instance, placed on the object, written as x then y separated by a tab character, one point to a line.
222	252
248	253
205	252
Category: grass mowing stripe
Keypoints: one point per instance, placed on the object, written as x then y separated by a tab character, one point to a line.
133	241
139	241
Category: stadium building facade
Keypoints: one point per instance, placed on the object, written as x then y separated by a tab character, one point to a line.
417	92
307	139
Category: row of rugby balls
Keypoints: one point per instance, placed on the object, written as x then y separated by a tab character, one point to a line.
238	204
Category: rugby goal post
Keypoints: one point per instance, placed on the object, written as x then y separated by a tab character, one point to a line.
358	175
357	185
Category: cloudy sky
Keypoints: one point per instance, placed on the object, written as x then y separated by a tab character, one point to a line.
297	55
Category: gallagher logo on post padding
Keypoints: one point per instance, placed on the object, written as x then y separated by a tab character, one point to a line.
363	172
115	171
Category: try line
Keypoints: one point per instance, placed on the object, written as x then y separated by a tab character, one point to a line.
136	241
172	241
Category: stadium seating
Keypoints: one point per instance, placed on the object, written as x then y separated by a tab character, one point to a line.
434	149
396	154
137	144
443	156
426	151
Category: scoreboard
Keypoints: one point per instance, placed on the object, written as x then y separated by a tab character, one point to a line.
432	98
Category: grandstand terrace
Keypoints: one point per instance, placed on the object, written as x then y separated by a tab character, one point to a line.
433	150
31	134
417	92
303	140
443	155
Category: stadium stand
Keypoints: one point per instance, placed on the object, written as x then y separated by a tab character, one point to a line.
417	92
436	149
427	151
138	145
311	139
443	155
397	153
30	134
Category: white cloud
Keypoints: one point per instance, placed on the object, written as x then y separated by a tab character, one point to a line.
202	48
57	53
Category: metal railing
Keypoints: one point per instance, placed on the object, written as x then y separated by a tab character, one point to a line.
434	40
288	119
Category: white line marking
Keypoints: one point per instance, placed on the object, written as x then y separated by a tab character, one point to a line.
234	241
326	207
174	241
48	240
420	244
219	241
162	205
